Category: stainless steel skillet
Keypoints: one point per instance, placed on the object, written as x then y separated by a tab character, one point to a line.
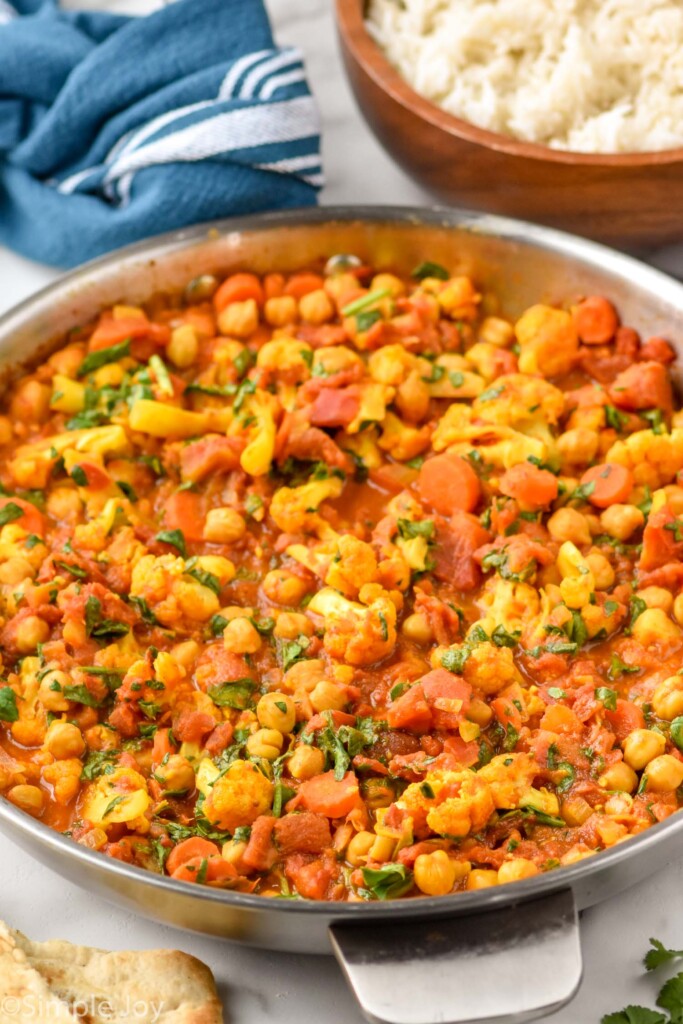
507	954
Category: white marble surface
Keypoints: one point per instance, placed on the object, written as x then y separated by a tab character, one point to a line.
259	986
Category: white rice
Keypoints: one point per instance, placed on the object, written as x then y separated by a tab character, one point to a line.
598	76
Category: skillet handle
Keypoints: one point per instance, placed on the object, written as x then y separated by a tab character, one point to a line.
506	966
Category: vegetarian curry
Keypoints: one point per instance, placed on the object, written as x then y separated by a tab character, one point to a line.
339	585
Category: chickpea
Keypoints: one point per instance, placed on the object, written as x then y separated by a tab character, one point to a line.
30	402
233	850
569	525
196	601
281	311
290	625
620	777
498	332
175	774
620	521
316	307
31	631
224	526
54	699
434	873
15	570
603	573
109	376
664	773
64	503
359	847
5	430
30	799
516	869
388	282
413	397
305	675
239	319
641	746
266	743
241	637
328	696
64	740
306	762
667	700
482	878
578	445
652	625
678	609
283	587
416	627
576	590
276	711
183	347
657	597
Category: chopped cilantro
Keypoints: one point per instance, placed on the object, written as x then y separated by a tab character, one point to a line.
176	538
103	356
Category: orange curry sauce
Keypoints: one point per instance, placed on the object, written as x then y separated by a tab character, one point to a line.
334	585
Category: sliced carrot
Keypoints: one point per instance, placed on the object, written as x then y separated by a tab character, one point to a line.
335	798
184	511
448	483
596	320
274	285
239	288
507	713
448	697
612	484
302	284
627	717
189	850
531	487
31	519
110	332
393	477
643	386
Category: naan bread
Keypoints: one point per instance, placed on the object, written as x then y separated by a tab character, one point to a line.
66	984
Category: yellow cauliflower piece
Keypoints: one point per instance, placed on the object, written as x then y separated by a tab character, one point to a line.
654	459
509	777
353	566
455	378
500	446
364	445
32	463
13	545
287	356
517	398
507	604
462	802
65	778
170	593
374	399
333	359
402	441
391	364
295	509
490	668
258	454
358	633
238	797
115	799
548	341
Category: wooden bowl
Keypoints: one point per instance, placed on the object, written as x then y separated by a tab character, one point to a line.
627	199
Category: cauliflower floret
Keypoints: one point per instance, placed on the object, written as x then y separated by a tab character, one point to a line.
391	364
462	803
258	454
374	399
490	669
65	778
288	357
295	509
508	604
499	445
456	378
116	798
353	566
169	592
401	440
548	341
509	776
517	398
654	459
358	633
238	797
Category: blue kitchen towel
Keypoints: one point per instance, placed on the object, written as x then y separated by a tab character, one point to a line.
114	128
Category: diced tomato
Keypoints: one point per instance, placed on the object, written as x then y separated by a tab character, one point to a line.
448	697
465	753
333	718
31	519
220	738
111	331
627	717
192	726
455	548
660	543
162	745
238	288
659	350
310	878
303	283
302	833
184	511
410	711
335	407
596	320
531	487
393	477
643	386
212	454
260	854
97	478
324	794
506	712
125	720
